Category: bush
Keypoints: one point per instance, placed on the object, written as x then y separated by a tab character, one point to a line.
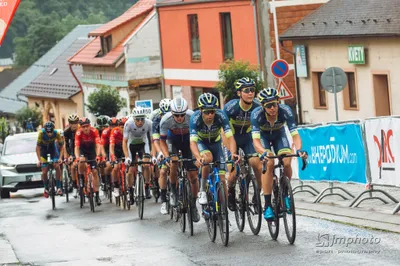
105	101
3	128
231	71
26	115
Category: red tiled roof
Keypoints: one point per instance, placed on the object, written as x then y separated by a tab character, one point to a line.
141	7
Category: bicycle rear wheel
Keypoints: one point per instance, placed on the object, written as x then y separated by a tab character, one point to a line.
189	207
253	205
273	226
222	212
240	204
289	214
140	195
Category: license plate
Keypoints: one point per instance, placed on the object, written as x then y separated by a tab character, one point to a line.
33	177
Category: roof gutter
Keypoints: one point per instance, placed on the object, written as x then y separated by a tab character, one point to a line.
80	87
161	55
291	38
195	2
253	3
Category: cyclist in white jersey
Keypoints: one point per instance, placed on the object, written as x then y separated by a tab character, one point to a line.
137	132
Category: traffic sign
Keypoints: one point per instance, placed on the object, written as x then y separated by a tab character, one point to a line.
280	68
145	104
334	79
284	92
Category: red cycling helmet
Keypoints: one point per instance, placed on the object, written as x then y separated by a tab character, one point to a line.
113	121
122	121
84	121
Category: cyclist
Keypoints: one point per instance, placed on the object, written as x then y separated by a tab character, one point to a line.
177	123
102	123
116	151
69	147
268	130
206	125
239	111
87	143
105	146
156	117
47	142
137	139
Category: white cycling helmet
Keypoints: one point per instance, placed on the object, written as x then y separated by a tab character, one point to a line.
165	105
138	112
179	105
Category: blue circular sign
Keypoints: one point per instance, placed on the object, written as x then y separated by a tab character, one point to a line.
280	68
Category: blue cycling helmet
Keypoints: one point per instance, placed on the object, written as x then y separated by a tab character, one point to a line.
49	126
244	83
207	100
268	95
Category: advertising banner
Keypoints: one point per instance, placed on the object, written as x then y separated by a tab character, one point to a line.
336	153
383	143
7	11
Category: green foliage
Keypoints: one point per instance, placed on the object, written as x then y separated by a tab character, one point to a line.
105	101
3	128
27	114
231	71
39	24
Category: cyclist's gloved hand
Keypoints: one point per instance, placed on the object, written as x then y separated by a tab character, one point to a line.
128	161
302	154
113	159
98	159
39	163
235	158
262	157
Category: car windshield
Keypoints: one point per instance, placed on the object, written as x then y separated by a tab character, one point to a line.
20	146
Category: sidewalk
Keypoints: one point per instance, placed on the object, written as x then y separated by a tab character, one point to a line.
372	214
7	255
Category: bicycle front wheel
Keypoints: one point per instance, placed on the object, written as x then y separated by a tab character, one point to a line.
189	207
273	225
253	205
91	193
240	204
182	208
222	213
289	212
66	183
52	189
140	190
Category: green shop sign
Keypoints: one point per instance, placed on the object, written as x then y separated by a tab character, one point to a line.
356	55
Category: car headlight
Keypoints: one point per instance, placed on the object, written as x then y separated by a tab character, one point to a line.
7	165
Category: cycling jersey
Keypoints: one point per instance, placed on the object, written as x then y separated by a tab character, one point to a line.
138	135
238	117
105	138
260	123
46	142
69	137
199	130
87	142
273	135
176	130
155	117
116	138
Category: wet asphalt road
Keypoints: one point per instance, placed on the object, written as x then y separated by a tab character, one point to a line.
111	236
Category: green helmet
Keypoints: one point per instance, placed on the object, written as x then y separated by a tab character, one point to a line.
103	121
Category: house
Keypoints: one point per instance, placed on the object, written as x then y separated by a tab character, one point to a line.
56	91
104	60
210	32
10	102
363	40
6	63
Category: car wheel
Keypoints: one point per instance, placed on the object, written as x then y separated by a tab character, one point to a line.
4	194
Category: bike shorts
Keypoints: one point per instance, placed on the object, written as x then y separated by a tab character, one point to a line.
137	148
118	152
245	142
277	140
182	143
216	150
54	155
90	156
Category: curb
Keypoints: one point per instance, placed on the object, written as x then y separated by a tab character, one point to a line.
7	252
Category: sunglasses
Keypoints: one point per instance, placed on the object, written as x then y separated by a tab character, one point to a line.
209	112
139	119
85	126
179	115
249	89
270	105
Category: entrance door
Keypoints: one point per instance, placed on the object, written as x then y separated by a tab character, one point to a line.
381	93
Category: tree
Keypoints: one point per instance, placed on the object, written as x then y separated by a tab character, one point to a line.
26	116
105	101
3	128
231	71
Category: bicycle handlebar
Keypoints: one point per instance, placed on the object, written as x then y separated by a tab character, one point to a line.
282	156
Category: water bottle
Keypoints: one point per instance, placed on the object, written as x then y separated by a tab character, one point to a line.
48	158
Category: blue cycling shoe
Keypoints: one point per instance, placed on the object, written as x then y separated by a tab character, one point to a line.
269	214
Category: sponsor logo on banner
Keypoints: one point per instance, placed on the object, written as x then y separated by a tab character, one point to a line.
336	153
383	142
7	11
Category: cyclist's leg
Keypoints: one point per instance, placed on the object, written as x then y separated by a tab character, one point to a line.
146	174
208	158
267	178
218	155
254	161
107	171
282	145
45	169
82	169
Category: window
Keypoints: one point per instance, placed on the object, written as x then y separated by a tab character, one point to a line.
350	93
319	94
106	44
226	29
109	43
194	37
196	92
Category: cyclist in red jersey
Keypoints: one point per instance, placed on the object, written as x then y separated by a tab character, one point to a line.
87	143
105	149
116	151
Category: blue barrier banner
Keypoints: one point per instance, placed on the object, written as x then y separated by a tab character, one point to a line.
335	153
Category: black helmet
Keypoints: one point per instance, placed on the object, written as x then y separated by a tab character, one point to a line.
49	126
